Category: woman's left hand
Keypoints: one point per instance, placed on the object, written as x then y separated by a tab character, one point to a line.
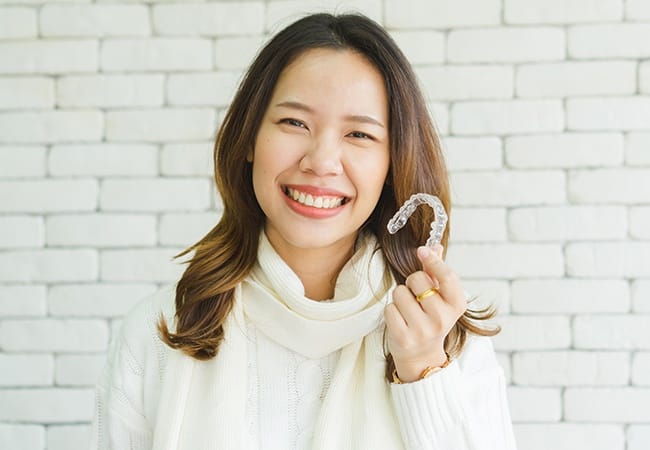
417	327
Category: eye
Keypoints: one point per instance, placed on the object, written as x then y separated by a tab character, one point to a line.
293	122
360	135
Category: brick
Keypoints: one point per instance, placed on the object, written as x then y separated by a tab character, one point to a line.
570	296
478	225
186	229
472	153
280	13
506	260
103	160
508	188
640	222
24	437
43	196
236	52
533	333
486	293
141	265
17	23
563	223
570	436
160	125
644	78
109	91
638	437
507	117
48	265
21	232
547	401
47	405
624	113
96	300
26	370
637	147
571	79
26	92
68	437
621	40
156	54
101	230
94	20
209	19
421	46
612	332
51	126
622	186
571	368
55	57
637	10
641	296
22	161
143	195
466	82
187	159
607	405
562	12
506	44
22	300
210	89
641	369
79	370
440	117
610	259
567	150
54	335
442	13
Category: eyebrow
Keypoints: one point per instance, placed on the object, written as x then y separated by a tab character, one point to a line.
354	117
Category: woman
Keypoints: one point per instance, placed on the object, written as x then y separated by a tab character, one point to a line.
299	321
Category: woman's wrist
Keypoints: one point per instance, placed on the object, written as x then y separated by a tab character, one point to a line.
408	371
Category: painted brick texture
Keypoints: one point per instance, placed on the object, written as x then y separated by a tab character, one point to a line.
108	111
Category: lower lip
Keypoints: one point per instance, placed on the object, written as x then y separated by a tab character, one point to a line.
310	211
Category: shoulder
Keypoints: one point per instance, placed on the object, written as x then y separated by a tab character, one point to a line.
478	354
138	334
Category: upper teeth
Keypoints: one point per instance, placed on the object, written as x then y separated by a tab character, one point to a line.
316	202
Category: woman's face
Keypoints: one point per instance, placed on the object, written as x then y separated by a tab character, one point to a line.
322	151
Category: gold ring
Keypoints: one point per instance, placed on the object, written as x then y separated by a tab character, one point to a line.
428	293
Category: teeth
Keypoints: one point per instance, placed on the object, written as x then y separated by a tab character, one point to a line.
316	202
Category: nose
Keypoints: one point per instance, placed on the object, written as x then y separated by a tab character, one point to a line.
323	158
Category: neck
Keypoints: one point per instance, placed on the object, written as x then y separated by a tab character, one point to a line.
317	268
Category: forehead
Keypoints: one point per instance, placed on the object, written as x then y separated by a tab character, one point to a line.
334	78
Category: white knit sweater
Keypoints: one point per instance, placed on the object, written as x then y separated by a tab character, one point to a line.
285	390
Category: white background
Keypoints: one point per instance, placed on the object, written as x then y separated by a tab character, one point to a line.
107	115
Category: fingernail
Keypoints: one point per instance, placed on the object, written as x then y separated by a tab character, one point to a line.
424	252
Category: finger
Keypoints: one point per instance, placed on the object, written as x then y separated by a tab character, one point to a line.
394	320
409	307
448	282
419	282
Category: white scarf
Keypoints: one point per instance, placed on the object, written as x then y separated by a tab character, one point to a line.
203	403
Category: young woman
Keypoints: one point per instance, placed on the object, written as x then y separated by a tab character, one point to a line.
299	321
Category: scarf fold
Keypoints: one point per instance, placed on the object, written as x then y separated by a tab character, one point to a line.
203	403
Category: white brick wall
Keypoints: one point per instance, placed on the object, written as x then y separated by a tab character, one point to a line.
108	111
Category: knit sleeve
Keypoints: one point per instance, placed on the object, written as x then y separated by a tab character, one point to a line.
462	407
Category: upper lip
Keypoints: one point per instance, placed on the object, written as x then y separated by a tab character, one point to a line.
316	191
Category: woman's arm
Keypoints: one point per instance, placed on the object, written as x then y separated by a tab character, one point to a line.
462	407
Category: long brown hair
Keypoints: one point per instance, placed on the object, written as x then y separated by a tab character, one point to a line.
224	257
